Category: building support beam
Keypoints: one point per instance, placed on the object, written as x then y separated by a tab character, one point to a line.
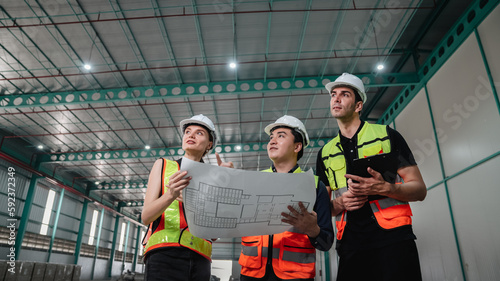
193	90
113	245
81	229
26	214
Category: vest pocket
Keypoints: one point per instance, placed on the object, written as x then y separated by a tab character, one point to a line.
297	254
251	252
337	177
391	212
372	150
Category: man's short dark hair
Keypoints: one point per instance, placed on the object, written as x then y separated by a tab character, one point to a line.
297	138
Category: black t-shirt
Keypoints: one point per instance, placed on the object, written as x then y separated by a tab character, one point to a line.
362	230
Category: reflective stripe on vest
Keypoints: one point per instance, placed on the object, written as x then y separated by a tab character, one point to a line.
287	255
372	139
391	213
172	229
340	219
293	255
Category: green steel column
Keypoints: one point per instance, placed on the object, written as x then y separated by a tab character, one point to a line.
125	246
97	242
488	70
80	231
113	244
56	220
26	214
134	262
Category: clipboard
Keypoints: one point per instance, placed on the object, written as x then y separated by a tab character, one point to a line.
385	164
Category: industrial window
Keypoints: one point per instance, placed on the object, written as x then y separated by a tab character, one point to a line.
95	215
122	238
47	213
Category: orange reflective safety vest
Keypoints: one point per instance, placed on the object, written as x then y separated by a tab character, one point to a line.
372	139
173	229
293	255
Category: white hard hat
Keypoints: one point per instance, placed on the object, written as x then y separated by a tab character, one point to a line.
292	122
203	120
349	80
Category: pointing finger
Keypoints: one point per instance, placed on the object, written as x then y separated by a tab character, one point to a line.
219	161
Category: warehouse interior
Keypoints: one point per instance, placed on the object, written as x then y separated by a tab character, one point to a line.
92	93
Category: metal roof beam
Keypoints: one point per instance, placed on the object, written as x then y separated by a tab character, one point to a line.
364	39
269	18
156	152
132	203
200	39
180	11
199	89
99	44
134	46
166	39
429	22
333	37
302	35
114	185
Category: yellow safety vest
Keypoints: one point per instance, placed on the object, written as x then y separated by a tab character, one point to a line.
294	257
372	139
173	230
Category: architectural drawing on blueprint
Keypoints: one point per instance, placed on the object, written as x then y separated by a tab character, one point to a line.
222	202
222	207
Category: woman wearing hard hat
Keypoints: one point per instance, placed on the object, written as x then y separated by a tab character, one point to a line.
171	251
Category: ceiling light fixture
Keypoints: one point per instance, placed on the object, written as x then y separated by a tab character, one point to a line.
232	65
237	148
147	147
96	183
40	147
87	66
380	65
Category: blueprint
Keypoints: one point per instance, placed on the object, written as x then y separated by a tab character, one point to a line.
221	202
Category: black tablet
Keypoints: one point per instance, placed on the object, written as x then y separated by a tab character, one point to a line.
385	163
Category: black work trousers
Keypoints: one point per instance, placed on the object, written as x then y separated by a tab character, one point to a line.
395	262
176	264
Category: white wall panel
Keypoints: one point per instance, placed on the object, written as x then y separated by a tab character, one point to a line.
435	239
464	109
474	196
71	207
41	194
30	255
415	124
490	38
